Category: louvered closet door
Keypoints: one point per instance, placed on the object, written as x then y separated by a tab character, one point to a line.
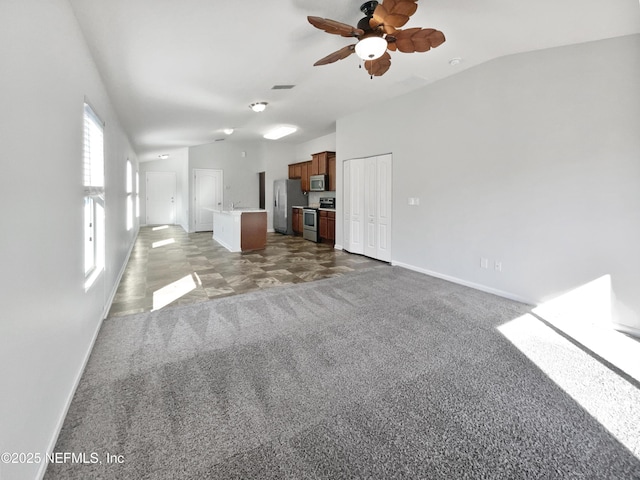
356	194
346	209
367	225
383	208
370	189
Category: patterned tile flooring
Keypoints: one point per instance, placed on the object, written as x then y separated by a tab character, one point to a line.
171	267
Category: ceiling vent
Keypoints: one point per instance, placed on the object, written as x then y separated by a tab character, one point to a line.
219	140
282	87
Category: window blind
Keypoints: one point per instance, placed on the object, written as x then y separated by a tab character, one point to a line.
93	152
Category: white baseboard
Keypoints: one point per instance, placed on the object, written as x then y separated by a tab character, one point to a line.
466	283
114	289
338	247
85	360
627	329
63	416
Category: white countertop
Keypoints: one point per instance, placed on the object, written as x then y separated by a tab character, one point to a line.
316	208
240	211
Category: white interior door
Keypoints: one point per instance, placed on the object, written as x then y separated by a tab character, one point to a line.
161	198
207	187
356	197
346	208
370	207
383	208
367	198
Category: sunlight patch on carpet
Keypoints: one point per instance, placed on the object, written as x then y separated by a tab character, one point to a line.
607	397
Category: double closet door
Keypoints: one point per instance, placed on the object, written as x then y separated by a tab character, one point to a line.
367	206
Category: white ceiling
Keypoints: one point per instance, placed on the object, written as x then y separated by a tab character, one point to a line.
179	71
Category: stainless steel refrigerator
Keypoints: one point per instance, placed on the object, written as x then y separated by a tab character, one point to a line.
286	194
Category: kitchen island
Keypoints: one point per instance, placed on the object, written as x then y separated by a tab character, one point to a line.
240	230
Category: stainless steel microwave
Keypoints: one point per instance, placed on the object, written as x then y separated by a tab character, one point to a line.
318	183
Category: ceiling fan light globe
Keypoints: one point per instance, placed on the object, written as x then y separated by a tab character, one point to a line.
371	48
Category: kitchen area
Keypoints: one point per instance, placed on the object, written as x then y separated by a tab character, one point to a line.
304	203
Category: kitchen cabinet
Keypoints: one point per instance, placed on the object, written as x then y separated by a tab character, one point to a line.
301	170
331	167
306	167
319	163
240	230
327	226
323	163
296	216
331	226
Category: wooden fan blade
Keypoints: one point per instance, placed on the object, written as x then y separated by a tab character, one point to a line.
418	39
379	16
335	28
427	38
404	43
395	12
437	38
344	52
396	19
390	4
407	8
379	66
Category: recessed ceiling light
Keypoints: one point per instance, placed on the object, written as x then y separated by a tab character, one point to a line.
279	132
455	61
258	107
164	156
228	131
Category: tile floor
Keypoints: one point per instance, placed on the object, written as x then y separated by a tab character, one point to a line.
171	267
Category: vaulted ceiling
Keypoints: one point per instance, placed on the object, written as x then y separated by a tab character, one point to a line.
180	71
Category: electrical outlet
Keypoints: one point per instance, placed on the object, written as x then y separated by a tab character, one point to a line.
497	266
484	263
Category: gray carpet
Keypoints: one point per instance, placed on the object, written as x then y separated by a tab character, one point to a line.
379	374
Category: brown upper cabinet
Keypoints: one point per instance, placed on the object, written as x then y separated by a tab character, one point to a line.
306	167
323	163
331	165
320	163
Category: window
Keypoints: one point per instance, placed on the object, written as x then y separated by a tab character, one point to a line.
129	187
137	195
93	176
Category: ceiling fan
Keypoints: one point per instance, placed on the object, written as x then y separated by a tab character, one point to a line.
378	32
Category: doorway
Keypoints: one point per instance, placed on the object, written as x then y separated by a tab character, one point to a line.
207	197
161	198
261	190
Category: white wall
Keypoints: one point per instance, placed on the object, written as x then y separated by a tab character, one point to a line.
531	160
47	321
241	172
326	143
177	162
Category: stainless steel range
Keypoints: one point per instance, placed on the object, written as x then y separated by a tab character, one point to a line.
310	224
328	202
